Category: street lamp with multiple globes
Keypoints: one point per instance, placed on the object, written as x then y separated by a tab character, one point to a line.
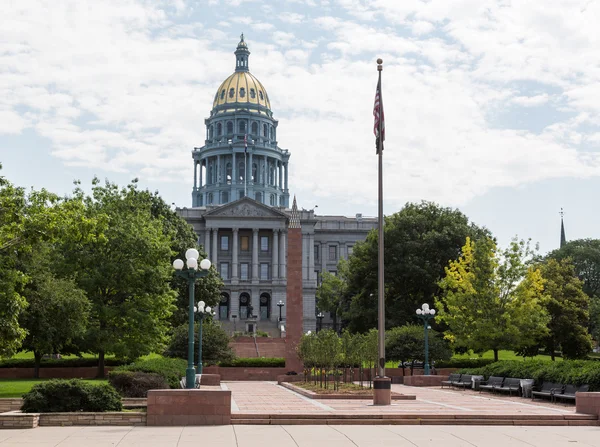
280	304
320	317
202	311
191	273
425	314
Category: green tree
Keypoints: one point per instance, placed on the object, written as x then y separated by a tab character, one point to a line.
215	343
331	291
420	240
407	343
567	305
492	300
127	275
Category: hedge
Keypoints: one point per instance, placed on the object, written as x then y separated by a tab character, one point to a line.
136	384
172	370
60	363
275	362
463	363
575	372
57	396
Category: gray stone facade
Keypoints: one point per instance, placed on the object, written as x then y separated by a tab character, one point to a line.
241	214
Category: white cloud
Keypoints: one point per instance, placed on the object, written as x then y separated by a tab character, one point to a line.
531	101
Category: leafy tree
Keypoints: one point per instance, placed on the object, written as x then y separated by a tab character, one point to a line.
407	343
127	275
420	240
215	343
492	300
567	305
331	291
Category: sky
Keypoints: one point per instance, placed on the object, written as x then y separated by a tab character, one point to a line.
491	106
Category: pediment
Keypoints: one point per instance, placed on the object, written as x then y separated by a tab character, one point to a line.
248	208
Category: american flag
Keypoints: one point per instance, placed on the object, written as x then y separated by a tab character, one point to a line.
245	142
379	118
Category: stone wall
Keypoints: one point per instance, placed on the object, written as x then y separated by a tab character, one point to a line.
12	404
189	407
16	419
235	373
107	418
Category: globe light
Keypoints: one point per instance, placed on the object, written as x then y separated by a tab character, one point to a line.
178	264
192	263
192	253
208	309
425	307
205	264
432	311
201	304
195	309
419	311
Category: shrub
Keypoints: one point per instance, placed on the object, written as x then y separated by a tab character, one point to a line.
275	362
215	344
576	372
406	343
136	384
60	363
172	370
262	334
72	395
463	363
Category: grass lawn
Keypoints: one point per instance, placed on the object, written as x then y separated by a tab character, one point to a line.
345	388
18	387
502	355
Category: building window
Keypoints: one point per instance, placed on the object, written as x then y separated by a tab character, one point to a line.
317	252
319	278
264	243
228	173
222	93
245	243
244	269
264	130
264	271
224	243
265	306
242	92
225	270
333	253
252	93
224	307
209	199
244	302
273	200
242	126
231	92
219	129
258	197
260	94
242	195
225	197
333	272
229	127
350	248
255	128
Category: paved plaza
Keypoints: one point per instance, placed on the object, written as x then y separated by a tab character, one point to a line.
302	436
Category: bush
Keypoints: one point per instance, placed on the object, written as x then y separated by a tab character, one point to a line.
136	384
407	343
215	344
463	363
55	396
172	370
275	362
60	363
576	372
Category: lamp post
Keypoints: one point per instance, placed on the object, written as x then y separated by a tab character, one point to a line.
191	273
202	312
320	317
425	314
280	304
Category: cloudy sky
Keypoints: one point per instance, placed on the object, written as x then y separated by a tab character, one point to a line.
492	106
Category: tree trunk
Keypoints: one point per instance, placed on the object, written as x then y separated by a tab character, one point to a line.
100	365
335	325
495	355
36	367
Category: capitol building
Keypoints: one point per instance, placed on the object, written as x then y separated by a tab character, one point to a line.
241	206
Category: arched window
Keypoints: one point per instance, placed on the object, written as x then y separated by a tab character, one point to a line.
241	170
209	173
229	127
224	307
273	201
264	130
242	126
228	174
258	197
210	133
224	197
219	129
254	173
255	128
271	175
272	129
209	199
244	303
265	306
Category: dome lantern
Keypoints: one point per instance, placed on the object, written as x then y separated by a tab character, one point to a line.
241	55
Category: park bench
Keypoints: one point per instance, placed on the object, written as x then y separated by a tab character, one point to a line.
548	389
509	385
464	381
452	378
492	383
568	392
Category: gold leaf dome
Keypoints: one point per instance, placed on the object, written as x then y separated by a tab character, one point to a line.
241	90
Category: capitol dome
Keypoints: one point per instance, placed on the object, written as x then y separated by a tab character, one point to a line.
241	90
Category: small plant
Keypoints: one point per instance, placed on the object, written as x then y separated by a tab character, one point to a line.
136	384
172	370
55	396
262	334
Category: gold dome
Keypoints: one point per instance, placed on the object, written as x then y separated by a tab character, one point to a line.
241	89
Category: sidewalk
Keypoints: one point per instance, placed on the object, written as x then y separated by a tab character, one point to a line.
302	436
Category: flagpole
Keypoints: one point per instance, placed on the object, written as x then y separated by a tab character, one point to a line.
245	171
382	385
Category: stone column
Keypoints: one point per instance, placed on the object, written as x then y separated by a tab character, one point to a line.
280	172
234	247
233	170
282	252
207	243
252	179
311	256
275	250
201	160
324	255
255	254
294	300
286	175
195	174
215	247
219	173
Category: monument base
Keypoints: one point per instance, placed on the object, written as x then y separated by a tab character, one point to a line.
382	391
189	407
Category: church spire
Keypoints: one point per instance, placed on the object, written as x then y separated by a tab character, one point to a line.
241	55
563	237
